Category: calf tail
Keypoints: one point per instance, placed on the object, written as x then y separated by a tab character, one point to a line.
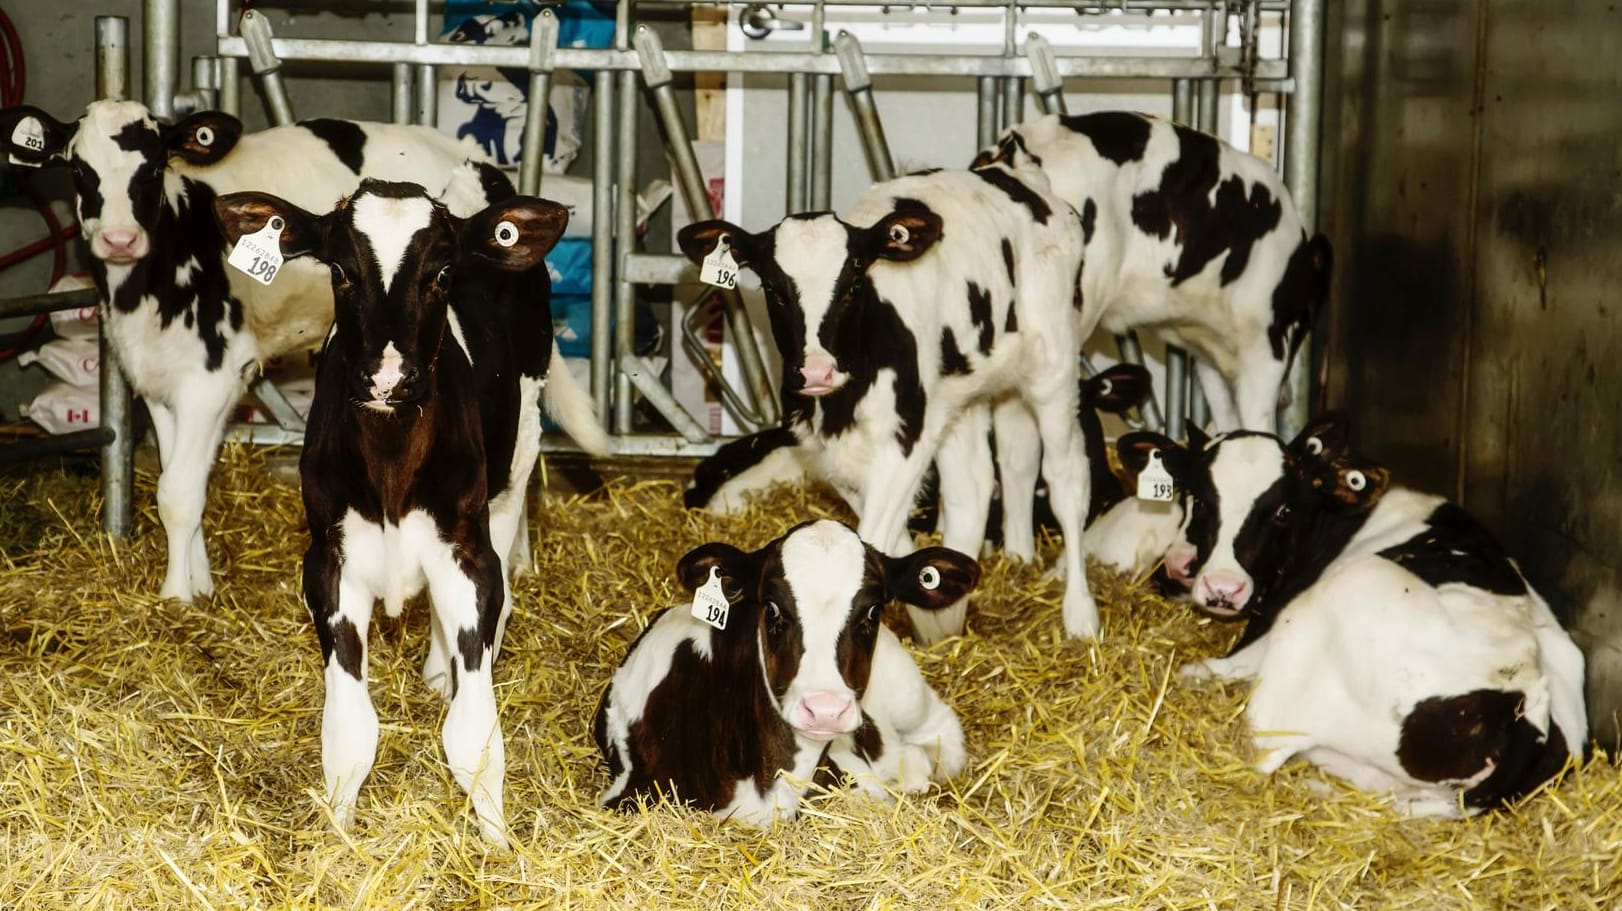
571	407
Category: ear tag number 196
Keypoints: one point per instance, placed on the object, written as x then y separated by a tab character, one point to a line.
719	268
710	602
259	254
1154	481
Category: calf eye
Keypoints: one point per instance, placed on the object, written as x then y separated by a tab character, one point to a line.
873	614
774	615
443	278
1282	513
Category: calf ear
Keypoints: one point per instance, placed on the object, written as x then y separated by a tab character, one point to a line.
248	213
932	578
203	138
904	235
516	234
33	138
736	568
699	239
1118	389
1324	439
1136	448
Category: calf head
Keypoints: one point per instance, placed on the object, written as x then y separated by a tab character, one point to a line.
813	269
812	602
120	157
394	251
1254	506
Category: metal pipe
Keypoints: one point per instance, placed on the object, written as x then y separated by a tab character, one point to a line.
1045	74
602	239
689	180
34	304
987	123
1013	101
859	86
400	93
1303	117
822	140
543	40
624	213
1272	75
27	448
160	31
426	84
205	78
117	464
230	85
798	91
267	66
1177	361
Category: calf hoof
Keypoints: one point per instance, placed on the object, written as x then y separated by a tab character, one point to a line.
437	676
1196	670
494	835
176	591
343	816
1081	618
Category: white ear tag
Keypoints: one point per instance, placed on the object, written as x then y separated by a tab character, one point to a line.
929	578
710	603
719	268
30	134
1154	481
506	234
260	254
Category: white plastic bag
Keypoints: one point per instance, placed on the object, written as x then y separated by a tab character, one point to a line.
76	361
62	408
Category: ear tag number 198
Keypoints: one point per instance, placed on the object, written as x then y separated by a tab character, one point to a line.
719	268
710	602
1154	481
259	254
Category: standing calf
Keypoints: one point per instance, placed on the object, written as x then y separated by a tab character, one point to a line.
189	331
1391	640
803	678
940	296
1191	238
422	435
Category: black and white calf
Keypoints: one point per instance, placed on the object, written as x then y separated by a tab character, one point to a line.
1391	640
190	332
423	432
802	678
1190	238
939	298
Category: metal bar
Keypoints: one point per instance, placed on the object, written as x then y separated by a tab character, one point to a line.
799	86
1183	111
117	462
266	62
230	85
277	406
1045	74
427	90
543	41
602	240
987	122
34	304
690	181
1303	117
160	31
624	213
1272	75
822	139
400	93
859	86
657	269
1013	101
27	448
205	80
639	444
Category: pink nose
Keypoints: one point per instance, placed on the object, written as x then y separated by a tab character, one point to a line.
828	711
1178	562
819	375
119	242
1223	590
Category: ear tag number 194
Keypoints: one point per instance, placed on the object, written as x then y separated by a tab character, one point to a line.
1154	481
719	268
710	602
259	254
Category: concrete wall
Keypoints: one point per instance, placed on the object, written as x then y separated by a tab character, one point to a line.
1479	248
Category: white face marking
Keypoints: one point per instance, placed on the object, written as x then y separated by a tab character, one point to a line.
824	564
389	224
811	252
456	333
387	377
115	167
1241	472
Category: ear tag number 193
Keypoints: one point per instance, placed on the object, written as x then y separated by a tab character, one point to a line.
259	254
710	602
719	268
1154	481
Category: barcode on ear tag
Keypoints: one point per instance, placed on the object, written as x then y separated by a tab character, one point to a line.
1154	481
259	254
719	268
710	602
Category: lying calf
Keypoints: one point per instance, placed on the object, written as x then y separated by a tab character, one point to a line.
1391	640
797	676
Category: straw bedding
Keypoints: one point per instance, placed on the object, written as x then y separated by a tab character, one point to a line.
158	756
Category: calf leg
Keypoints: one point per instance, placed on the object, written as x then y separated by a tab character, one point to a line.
467	594
341	610
1064	464
1256	387
964	463
1219	395
198	425
1019	460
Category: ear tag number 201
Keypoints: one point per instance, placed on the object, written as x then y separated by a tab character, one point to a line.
29	133
719	268
259	255
710	602
1154	481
